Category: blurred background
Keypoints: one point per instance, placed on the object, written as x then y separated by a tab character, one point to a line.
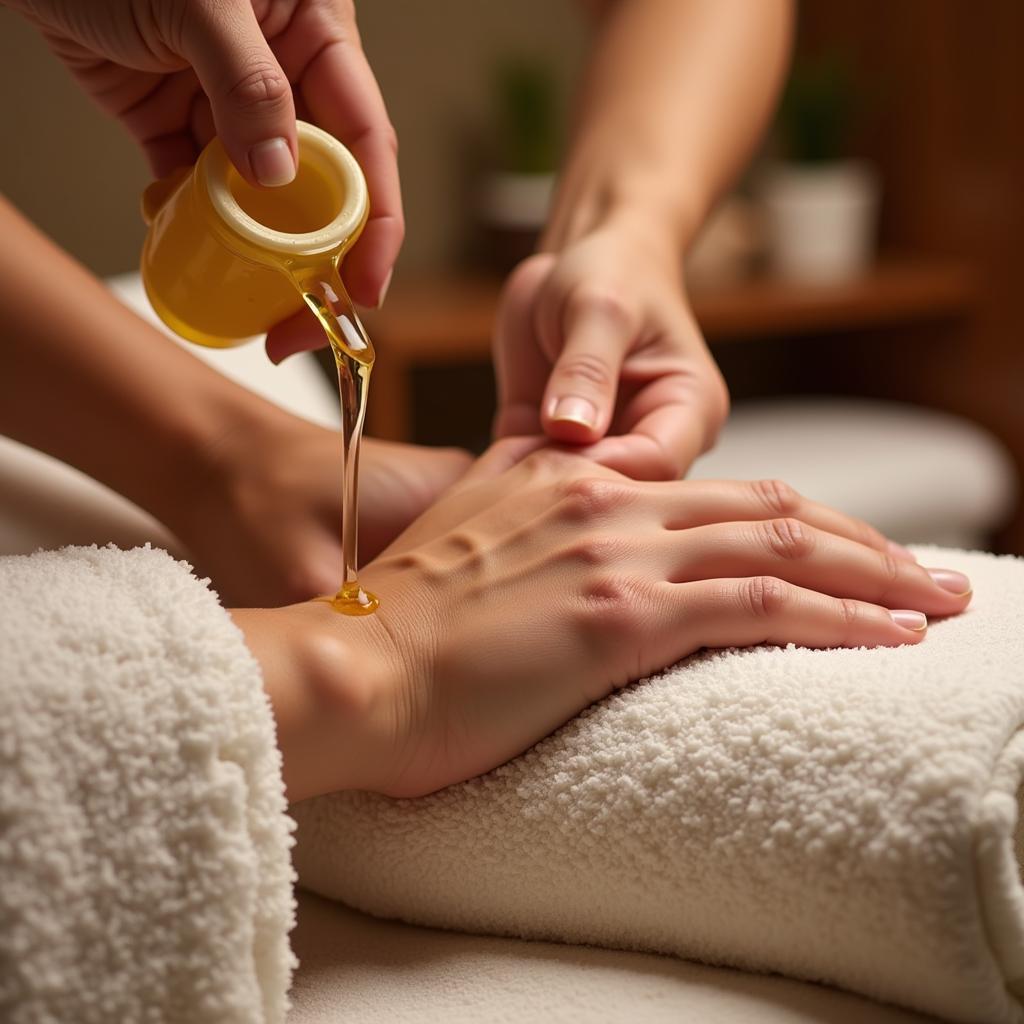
861	289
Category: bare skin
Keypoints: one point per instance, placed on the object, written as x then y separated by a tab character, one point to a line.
526	593
517	593
540	581
523	592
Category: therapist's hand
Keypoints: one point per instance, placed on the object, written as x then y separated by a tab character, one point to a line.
596	346
175	72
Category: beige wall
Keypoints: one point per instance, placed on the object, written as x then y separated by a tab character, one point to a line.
66	165
76	174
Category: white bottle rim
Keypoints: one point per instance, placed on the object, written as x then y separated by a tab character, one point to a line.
318	148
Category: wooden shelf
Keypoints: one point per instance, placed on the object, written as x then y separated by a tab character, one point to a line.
893	293
430	321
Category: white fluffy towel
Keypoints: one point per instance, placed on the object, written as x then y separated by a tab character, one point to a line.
144	840
841	816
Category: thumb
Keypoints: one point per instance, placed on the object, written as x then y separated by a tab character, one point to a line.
579	400
249	94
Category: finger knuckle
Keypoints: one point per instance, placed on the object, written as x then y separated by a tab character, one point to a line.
398	221
595	550
262	87
548	464
595	298
788	538
588	368
465	545
889	570
614	608
765	597
390	137
776	497
590	498
850	613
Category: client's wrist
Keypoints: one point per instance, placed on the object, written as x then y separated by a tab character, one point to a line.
330	680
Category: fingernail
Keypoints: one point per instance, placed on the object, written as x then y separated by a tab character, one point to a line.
384	288
575	410
272	163
909	620
901	552
955	582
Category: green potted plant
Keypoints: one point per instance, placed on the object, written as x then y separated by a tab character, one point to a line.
516	191
820	206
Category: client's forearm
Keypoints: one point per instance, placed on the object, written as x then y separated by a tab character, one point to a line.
675	96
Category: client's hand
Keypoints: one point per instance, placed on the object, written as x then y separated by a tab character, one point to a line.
264	521
522	597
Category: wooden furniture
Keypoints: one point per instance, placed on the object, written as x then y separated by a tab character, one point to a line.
942	83
447	321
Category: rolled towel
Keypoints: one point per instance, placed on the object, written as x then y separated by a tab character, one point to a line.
144	840
838	816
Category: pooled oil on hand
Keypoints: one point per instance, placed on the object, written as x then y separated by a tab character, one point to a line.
353	356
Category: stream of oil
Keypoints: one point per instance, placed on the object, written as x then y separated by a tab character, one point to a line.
353	354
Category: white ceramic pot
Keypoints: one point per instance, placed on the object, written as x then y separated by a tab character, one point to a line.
821	220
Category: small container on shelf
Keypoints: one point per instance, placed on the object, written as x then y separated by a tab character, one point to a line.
514	193
821	209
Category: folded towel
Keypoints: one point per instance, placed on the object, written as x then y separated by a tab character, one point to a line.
144	844
841	816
